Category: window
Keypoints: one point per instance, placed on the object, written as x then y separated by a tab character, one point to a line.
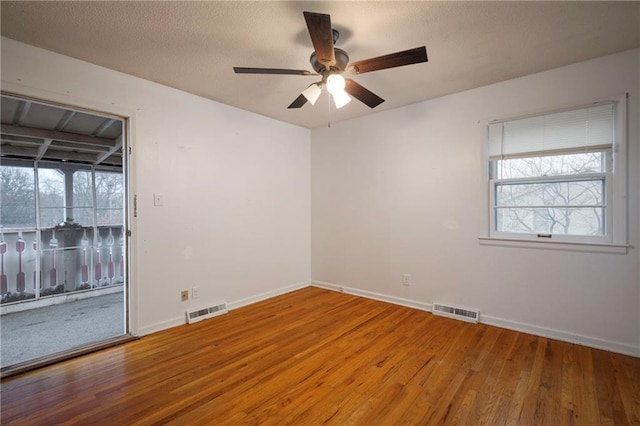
17	197
51	182
559	176
109	198
83	197
72	241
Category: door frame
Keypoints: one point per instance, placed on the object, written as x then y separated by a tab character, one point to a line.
128	119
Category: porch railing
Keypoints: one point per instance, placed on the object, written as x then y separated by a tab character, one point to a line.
67	258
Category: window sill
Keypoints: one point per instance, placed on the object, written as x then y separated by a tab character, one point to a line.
556	245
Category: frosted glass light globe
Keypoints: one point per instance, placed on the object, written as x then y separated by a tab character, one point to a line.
341	99
335	84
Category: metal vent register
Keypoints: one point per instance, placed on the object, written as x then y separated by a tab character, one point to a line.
456	312
204	313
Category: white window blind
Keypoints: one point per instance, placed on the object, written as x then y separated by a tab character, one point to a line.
590	128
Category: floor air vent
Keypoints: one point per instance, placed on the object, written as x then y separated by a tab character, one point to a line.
464	314
204	313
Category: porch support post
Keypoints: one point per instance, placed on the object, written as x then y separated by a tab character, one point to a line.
68	193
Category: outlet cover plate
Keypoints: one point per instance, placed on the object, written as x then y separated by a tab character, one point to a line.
406	279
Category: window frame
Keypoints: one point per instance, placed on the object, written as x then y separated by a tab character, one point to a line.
615	181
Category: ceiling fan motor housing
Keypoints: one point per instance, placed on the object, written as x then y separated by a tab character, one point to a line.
342	60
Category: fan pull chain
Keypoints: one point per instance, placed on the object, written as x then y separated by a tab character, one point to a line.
329	114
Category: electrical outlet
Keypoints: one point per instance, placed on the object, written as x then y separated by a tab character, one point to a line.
195	292
184	295
406	279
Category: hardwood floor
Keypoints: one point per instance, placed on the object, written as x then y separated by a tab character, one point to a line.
315	356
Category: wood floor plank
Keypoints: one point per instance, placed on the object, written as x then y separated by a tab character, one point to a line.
627	376
486	404
320	357
608	395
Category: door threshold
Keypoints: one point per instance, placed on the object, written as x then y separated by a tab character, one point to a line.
23	367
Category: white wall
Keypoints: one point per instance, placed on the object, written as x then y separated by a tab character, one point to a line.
401	192
235	219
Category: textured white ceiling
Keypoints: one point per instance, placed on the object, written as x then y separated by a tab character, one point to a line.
193	46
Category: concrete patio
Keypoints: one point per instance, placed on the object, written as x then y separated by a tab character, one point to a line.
49	330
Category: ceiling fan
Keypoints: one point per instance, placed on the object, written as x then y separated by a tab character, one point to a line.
330	63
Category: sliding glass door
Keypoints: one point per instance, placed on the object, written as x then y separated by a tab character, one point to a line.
63	231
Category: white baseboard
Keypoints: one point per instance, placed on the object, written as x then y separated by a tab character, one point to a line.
592	342
268	295
182	319
162	325
373	295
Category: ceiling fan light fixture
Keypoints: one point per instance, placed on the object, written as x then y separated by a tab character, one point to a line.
341	98
312	93
335	84
330	63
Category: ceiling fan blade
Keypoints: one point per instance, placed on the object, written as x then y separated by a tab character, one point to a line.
362	94
319	25
243	70
398	59
299	102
